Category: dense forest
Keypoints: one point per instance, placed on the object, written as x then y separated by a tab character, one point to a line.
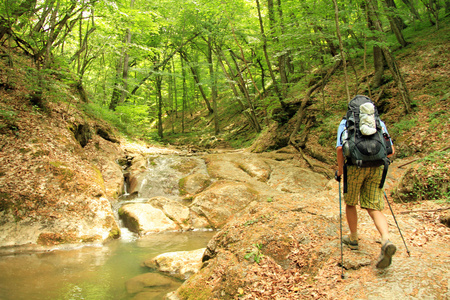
148	67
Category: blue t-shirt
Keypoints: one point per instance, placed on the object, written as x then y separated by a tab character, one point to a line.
342	127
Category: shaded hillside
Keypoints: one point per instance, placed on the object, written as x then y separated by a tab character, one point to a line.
57	165
425	65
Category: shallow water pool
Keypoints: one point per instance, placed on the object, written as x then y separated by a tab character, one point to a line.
96	272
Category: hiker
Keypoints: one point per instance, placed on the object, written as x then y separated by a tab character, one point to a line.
363	184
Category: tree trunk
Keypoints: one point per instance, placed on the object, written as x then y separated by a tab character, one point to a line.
274	34
378	59
197	81
245	92
412	9
183	105
158	80
390	60
341	47
396	22
393	13
213	87
126	59
115	97
266	55
379	65
165	61
24	7
300	115
248	112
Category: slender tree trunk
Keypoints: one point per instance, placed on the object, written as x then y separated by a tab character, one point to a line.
183	106
245	92
247	111
126	59
164	62
48	47
115	97
274	34
24	7
379	62
341	48
396	22
300	115
197	81
390	60
266	55
170	112
393	13
433	7
412	9
158	80
175	90
213	87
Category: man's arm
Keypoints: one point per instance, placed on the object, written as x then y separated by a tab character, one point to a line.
390	155
340	160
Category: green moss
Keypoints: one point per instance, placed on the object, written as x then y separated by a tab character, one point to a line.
182	186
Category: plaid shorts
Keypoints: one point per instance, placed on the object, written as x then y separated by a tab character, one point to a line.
363	185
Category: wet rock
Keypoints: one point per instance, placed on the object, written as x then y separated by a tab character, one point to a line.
135	173
174	210
95	224
194	183
110	172
222	201
143	218
180	264
245	167
148	282
289	178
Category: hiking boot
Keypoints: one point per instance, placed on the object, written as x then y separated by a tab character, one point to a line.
387	251
351	244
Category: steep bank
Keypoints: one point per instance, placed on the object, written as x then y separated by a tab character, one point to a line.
58	169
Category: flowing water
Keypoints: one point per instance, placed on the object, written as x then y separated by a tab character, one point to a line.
100	271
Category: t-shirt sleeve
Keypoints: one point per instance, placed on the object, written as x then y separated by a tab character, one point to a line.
385	130
339	133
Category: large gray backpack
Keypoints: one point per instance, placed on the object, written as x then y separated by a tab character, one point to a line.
363	142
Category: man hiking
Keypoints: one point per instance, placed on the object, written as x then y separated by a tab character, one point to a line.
363	180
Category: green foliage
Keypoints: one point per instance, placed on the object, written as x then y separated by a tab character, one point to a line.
255	254
430	181
130	122
404	125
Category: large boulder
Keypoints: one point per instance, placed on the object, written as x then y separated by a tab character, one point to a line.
174	210
149	283
222	201
135	173
104	155
68	225
194	184
181	264
144	218
246	167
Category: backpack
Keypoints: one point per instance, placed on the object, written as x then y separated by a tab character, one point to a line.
363	142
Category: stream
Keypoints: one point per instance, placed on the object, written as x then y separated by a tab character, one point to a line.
101	271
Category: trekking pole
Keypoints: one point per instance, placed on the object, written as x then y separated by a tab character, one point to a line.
340	221
385	196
